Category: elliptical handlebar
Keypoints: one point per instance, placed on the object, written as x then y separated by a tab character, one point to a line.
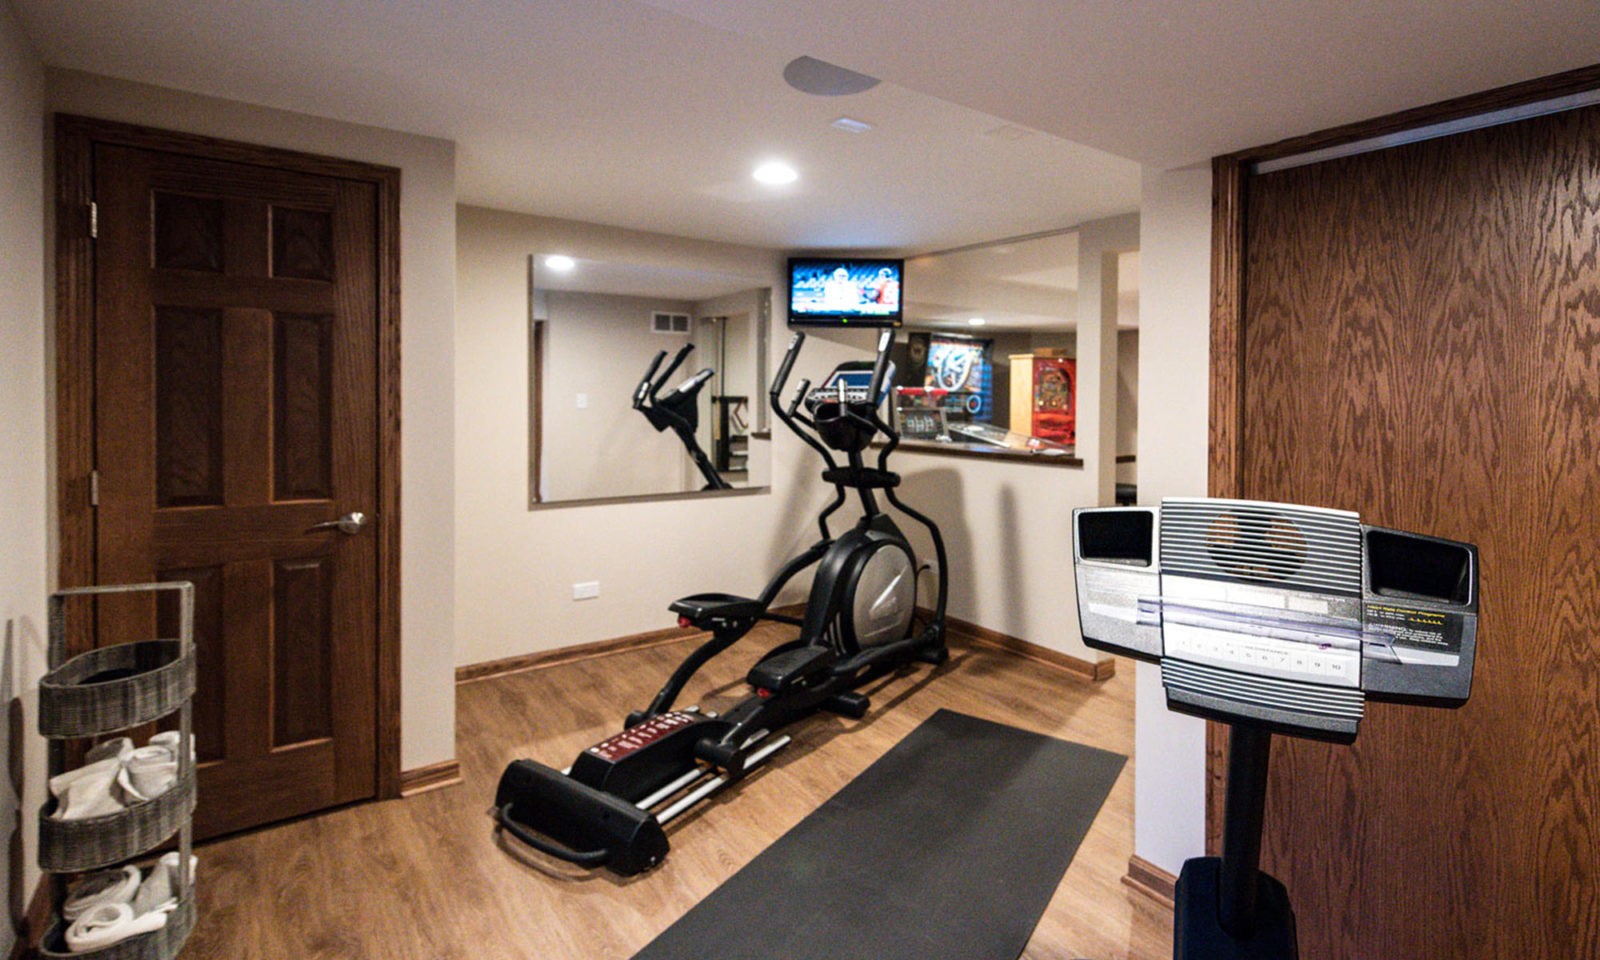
677	361
642	392
687	388
881	367
789	357
789	416
799	396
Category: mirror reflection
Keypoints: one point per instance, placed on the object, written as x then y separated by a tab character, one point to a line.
989	352
648	380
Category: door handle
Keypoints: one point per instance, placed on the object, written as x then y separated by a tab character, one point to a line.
350	524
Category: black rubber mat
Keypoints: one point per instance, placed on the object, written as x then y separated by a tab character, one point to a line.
949	846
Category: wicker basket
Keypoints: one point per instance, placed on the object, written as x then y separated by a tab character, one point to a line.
113	688
73	845
162	944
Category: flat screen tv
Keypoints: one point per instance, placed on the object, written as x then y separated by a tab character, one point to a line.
845	292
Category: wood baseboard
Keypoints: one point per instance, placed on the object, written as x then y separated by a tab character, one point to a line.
572	654
1090	671
1150	880
33	923
1087	670
445	773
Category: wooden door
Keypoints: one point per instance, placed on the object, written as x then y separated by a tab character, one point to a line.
235	418
1421	342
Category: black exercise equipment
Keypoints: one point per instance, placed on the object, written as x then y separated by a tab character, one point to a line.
1271	618
859	624
678	410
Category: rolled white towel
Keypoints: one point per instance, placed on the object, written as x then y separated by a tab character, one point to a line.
107	886
159	890
110	923
170	739
90	793
118	747
148	773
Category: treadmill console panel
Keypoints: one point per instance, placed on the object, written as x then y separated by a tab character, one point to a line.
1284	615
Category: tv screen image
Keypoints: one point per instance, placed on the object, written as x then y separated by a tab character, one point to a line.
843	291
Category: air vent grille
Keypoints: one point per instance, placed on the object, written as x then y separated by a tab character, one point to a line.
1270	544
669	323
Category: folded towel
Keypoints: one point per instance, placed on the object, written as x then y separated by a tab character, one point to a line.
148	773
159	890
88	792
107	886
117	776
62	782
118	747
110	923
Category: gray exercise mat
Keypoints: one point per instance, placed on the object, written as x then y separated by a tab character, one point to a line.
949	846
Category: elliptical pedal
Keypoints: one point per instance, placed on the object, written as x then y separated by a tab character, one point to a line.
850	703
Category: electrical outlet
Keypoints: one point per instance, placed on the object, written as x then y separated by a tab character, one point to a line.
583	401
586	591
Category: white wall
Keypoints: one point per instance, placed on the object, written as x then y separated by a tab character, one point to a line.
25	563
516	567
1174	347
427	345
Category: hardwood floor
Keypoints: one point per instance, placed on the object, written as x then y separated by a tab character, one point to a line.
421	878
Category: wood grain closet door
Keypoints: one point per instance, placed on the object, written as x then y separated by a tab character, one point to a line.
235	383
1422	344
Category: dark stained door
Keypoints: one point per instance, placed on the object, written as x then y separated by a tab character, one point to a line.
235	342
1422	344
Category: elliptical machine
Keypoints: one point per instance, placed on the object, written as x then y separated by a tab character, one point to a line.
609	808
679	410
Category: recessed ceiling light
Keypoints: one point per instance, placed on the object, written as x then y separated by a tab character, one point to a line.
851	125
775	173
977	321
560	263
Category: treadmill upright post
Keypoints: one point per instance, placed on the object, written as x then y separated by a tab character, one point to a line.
1249	749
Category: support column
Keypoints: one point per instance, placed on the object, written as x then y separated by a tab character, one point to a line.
1099	243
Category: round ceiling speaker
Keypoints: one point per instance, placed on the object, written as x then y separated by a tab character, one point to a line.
822	79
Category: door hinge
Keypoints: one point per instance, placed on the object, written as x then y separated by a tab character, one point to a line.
94	220
94	488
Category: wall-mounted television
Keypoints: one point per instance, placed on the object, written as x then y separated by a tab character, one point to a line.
845	291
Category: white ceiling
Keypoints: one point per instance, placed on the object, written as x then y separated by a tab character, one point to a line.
1169	83
610	111
651	113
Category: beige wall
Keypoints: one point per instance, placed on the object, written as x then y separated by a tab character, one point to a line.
516	567
1008	529
597	345
25	451
1169	791
427	252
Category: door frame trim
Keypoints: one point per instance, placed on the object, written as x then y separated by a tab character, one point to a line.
1230	194
75	137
